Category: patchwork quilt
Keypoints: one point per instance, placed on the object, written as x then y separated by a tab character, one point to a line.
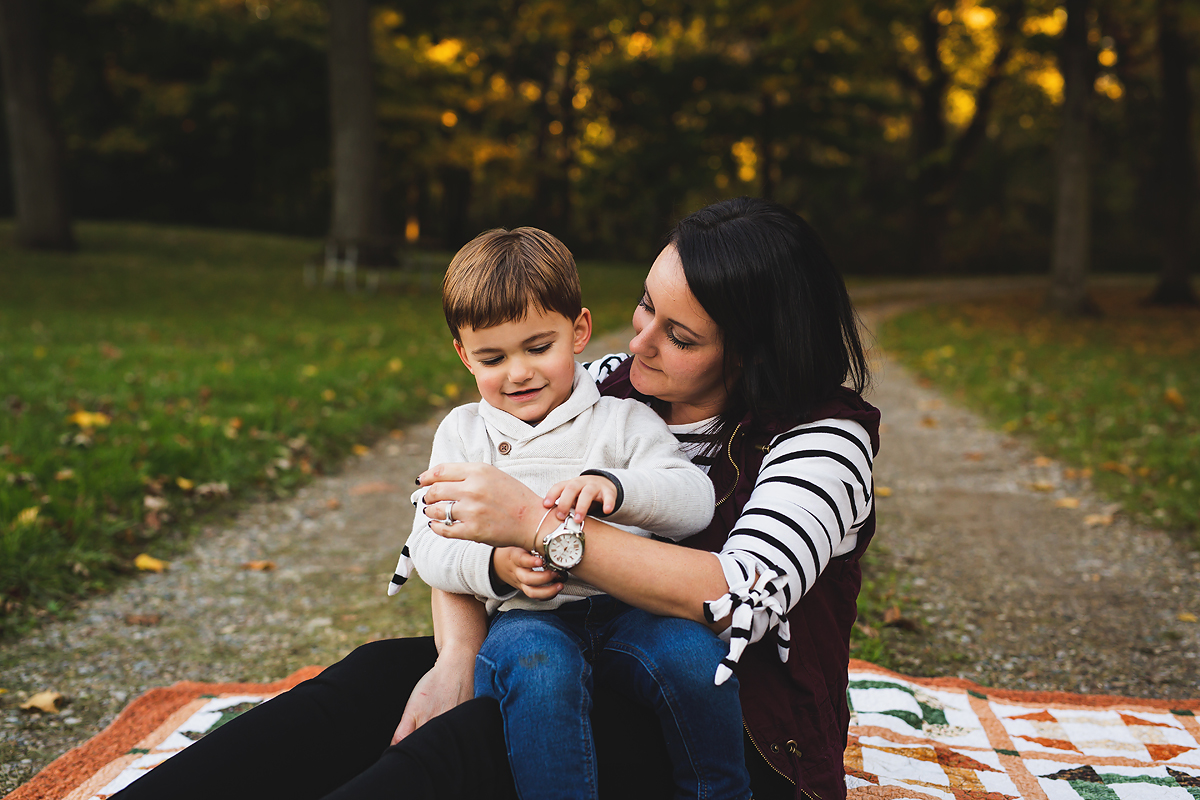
918	738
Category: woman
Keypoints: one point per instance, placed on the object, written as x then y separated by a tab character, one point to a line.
744	337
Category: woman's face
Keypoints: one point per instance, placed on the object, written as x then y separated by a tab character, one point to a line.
678	355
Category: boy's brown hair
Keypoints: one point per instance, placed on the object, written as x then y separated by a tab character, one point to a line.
499	274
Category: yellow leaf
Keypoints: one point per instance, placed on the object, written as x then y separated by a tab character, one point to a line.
1187	616
1042	486
259	566
451	390
395	365
46	702
90	419
1098	519
360	449
328	395
28	516
1174	398
64	475
883	491
148	563
185	484
1067	502
1042	461
309	370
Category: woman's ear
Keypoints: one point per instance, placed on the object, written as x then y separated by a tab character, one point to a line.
582	330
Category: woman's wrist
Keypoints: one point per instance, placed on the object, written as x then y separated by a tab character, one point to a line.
536	547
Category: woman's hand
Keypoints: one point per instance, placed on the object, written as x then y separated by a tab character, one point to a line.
489	506
579	494
524	570
449	682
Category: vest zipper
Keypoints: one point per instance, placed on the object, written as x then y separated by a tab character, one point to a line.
764	756
737	473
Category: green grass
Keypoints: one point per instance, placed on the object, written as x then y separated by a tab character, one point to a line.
1115	398
159	371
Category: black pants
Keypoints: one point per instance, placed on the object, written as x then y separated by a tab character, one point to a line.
328	738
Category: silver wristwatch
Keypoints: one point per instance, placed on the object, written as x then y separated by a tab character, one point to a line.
563	547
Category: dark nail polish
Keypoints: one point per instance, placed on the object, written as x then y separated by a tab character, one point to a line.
418	480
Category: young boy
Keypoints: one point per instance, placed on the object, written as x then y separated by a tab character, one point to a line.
512	301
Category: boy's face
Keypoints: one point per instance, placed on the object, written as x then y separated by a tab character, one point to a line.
527	367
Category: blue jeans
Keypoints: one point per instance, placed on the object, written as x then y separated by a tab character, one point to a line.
540	666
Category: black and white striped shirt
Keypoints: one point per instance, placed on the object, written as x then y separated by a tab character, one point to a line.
813	493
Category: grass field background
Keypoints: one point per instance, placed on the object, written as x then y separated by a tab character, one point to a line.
1116	398
159	372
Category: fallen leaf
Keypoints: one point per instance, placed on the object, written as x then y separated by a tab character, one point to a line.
155	503
1042	486
1070	474
329	395
143	619
1098	519
360	449
149	563
1085	473
928	422
883	491
27	516
451	390
109	351
46	702
1114	466
1067	502
891	615
1174	398
259	566
395	365
1042	461
333	504
213	489
973	455
90	419
64	475
185	484
1187	616
396	433
152	521
374	487
867	630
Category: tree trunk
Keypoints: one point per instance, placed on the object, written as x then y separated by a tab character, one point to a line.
1072	219
39	179
357	218
1177	164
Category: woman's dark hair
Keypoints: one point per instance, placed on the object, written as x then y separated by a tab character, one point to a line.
763	275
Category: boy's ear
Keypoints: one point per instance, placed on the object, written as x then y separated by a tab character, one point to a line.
583	330
462	355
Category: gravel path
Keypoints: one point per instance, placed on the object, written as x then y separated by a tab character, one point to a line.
1007	589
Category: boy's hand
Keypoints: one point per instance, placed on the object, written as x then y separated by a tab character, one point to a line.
516	567
578	494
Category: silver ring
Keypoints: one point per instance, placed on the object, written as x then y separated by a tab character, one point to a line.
449	520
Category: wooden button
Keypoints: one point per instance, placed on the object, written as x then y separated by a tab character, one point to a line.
505	448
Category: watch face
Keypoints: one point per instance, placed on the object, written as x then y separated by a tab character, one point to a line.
565	551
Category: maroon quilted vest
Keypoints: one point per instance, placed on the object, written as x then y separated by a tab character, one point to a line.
796	712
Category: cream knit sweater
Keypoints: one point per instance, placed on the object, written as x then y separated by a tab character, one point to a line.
663	491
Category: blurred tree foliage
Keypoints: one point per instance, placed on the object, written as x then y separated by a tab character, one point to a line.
916	135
